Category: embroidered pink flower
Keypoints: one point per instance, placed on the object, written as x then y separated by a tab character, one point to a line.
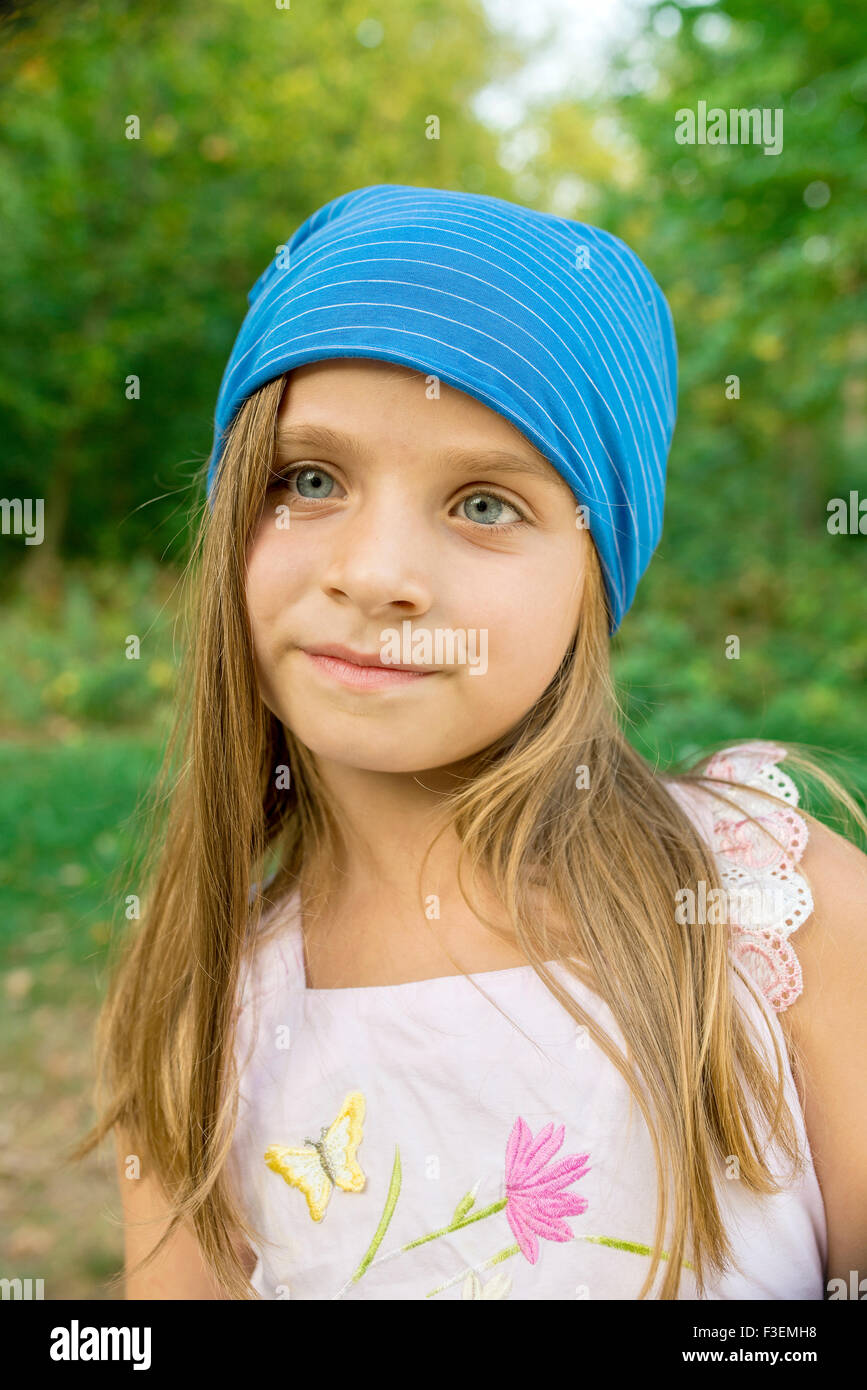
535	1200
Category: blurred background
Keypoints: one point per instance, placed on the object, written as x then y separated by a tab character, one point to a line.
132	257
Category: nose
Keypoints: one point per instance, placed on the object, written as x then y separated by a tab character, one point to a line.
380	556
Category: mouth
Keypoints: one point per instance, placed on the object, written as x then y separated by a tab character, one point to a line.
362	671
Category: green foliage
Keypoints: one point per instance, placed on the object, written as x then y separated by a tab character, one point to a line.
133	257
67	824
63	654
763	285
765	274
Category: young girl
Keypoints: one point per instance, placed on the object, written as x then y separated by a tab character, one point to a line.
440	990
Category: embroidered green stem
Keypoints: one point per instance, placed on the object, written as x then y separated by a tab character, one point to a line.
443	1231
453	1226
387	1212
457	1223
422	1240
515	1249
467	1202
628	1245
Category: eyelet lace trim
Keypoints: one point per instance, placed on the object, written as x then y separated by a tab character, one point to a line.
753	863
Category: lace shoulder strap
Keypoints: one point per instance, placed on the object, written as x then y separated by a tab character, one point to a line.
767	898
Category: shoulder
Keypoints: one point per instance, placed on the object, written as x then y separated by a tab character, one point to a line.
832	944
810	958
826	1029
745	808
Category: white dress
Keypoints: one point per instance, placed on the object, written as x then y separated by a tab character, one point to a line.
409	1141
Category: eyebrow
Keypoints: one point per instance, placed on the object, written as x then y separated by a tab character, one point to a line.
334	441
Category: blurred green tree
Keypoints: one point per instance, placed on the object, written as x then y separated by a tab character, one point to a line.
132	257
762	257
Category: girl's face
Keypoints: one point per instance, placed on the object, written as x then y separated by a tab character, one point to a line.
400	531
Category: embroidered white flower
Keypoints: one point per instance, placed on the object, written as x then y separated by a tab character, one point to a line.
498	1286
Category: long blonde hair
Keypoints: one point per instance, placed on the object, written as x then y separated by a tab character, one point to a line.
610	860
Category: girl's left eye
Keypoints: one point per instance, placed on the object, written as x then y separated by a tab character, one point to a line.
489	515
489	510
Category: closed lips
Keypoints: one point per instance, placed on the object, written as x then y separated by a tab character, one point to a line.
376	677
354	658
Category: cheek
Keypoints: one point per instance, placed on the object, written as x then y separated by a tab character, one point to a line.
271	586
531	615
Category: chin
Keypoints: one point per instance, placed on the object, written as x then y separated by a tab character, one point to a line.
391	752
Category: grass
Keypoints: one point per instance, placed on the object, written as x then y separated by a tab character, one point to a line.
66	827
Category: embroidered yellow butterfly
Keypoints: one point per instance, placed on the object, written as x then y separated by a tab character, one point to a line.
329	1161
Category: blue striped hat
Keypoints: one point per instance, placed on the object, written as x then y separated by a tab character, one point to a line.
556	325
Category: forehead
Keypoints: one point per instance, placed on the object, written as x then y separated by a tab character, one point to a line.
356	404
